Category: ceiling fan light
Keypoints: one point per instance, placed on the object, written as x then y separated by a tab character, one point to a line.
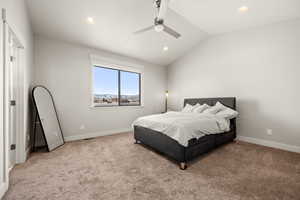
159	28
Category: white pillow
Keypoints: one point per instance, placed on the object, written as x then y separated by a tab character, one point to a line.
200	108
187	108
196	106
215	109
227	113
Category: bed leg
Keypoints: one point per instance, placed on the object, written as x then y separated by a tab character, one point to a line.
183	166
137	142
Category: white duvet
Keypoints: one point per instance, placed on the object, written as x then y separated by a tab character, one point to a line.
184	126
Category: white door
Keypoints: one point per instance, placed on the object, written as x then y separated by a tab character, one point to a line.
13	89
12	139
2	136
4	181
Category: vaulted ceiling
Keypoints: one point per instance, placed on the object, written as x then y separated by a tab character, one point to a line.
220	16
116	20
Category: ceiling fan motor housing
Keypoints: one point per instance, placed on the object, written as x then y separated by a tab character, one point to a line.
158	25
158	21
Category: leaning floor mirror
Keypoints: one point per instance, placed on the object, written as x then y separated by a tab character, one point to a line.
46	117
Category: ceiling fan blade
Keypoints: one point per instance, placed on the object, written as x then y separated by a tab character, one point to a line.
162	9
144	30
171	32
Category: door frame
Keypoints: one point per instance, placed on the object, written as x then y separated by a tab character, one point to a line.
5	103
20	136
4	135
20	122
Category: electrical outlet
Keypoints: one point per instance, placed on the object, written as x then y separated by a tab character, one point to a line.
82	127
269	132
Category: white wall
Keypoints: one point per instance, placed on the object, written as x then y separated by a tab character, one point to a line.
18	20
260	67
64	68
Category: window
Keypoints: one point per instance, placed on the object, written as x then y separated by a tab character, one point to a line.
114	87
129	88
106	86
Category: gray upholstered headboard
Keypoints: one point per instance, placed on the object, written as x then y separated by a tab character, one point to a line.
227	101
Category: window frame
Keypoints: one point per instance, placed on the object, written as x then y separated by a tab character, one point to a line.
140	99
119	70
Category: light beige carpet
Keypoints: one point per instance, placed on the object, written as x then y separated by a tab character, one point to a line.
112	167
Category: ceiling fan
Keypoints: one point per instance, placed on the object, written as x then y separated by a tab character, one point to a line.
159	26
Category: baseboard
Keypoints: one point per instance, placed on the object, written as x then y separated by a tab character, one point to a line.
3	189
96	134
268	143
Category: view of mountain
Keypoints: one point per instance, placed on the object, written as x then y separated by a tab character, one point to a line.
112	99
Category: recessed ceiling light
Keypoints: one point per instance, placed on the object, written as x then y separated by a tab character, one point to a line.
243	9
166	48
90	20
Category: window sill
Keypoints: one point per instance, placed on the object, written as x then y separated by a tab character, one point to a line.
116	107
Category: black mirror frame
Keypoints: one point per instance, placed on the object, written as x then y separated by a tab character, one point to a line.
37	119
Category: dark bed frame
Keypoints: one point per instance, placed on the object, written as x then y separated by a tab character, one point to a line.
172	149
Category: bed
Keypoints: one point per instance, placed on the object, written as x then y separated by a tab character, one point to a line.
195	147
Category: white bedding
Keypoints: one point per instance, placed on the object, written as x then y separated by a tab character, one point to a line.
184	126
